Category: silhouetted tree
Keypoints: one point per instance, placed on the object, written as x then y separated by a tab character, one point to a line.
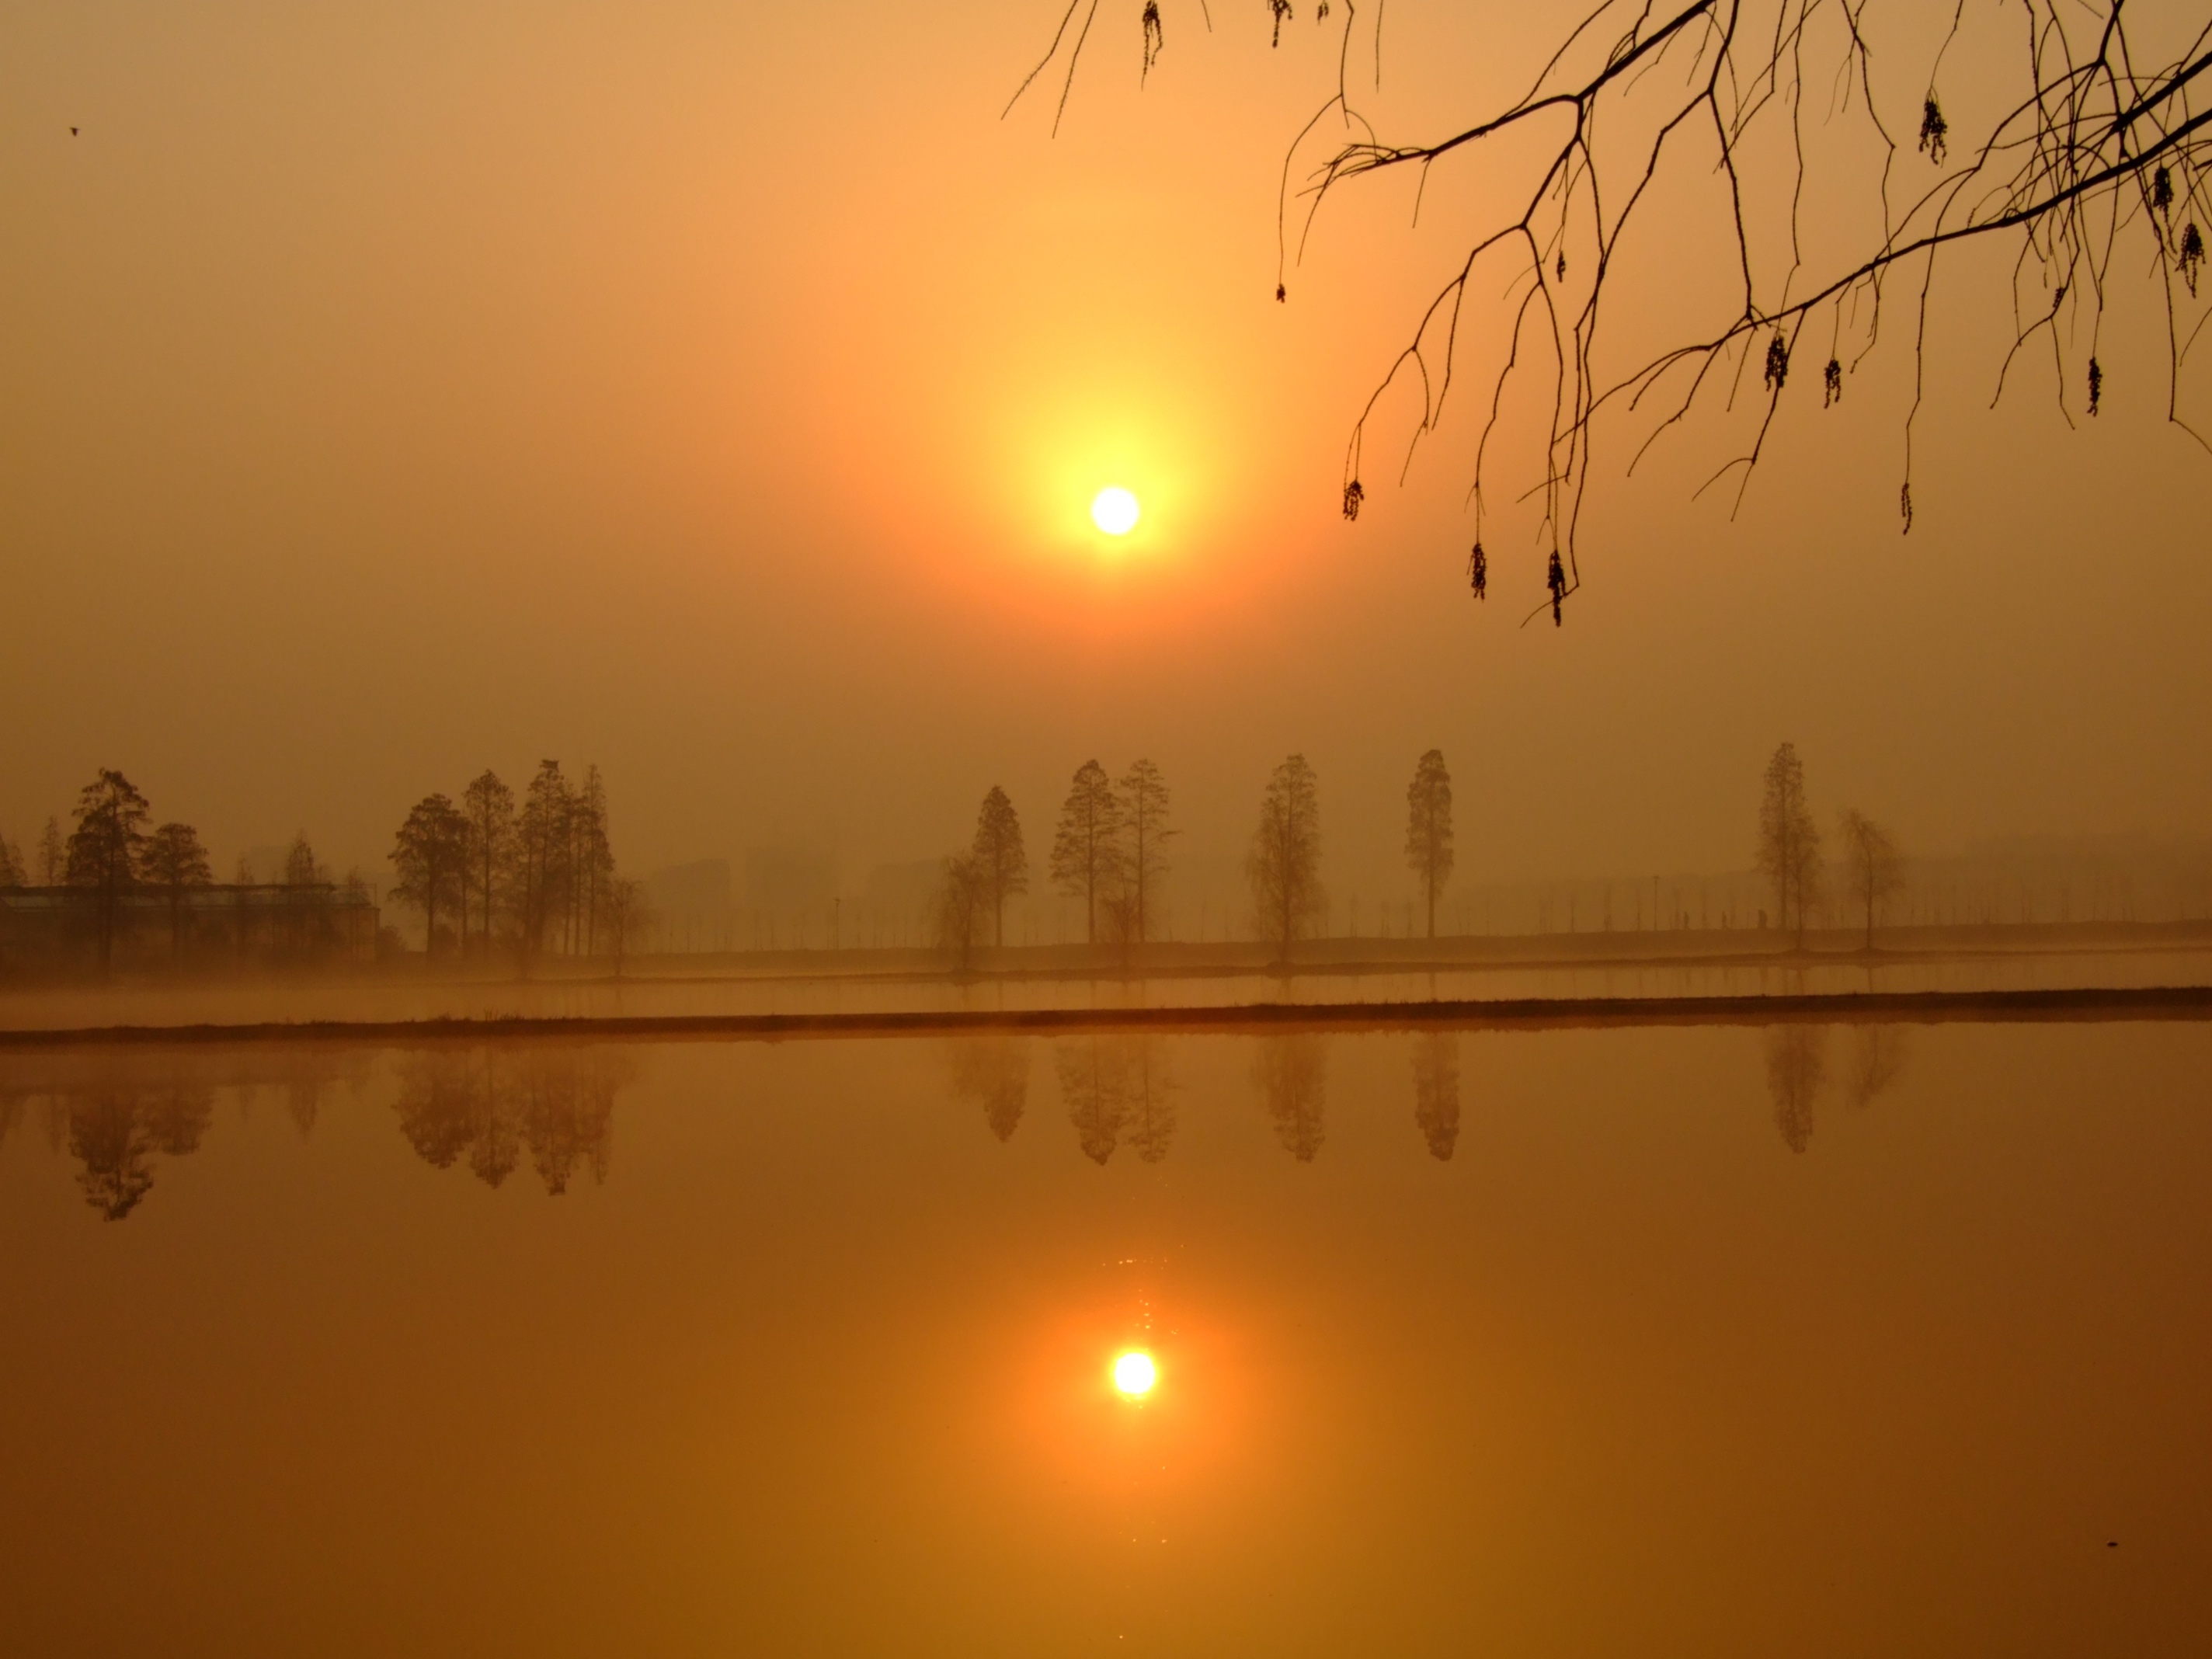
496	1148
488	805
1094	1088
1148	1091
993	1072
53	855
1873	868
1002	863
1292	1072
436	1104
593	858
1876	1059
491	1103
1435	1090
104	849
1796	1066
430	856
12	872
1737	125
541	854
1086	851
567	1110
624	916
962	902
174	861
304	1087
306	883
177	1114
1143	810
1284	864
301	867
1429	828
109	1138
1789	841
1117	916
114	1131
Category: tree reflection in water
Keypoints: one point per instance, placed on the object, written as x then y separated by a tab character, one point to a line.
1150	1094
993	1073
115	1134
1796	1066
1436	1090
119	1112
1092	1093
1875	1059
1798	1070
491	1103
1292	1072
1118	1087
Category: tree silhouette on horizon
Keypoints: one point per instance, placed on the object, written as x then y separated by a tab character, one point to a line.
105	849
1283	865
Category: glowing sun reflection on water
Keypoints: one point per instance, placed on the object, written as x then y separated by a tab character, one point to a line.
1134	1374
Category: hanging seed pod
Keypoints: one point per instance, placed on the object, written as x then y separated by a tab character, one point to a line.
1562	266
1778	362
1282	10
1154	38
1353	494
1934	131
1321	16
1831	383
2161	189
1282	293
2096	384
1478	573
2192	255
1905	506
1556	579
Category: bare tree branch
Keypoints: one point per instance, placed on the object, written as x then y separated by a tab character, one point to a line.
2092	151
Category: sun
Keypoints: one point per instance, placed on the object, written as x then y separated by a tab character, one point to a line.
1115	511
1134	1375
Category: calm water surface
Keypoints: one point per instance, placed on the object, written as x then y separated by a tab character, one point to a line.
1809	1339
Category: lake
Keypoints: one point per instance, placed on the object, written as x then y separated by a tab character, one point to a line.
1713	1340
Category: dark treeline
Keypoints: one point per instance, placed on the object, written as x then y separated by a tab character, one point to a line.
117	888
503	877
495	875
1110	851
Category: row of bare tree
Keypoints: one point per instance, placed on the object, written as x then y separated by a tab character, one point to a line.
536	876
1791	858
1110	850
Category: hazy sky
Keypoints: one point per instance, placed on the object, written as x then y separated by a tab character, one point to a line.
714	391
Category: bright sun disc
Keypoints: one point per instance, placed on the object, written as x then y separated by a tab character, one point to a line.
1133	1373
1115	511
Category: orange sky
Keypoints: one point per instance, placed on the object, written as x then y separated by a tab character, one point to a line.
715	392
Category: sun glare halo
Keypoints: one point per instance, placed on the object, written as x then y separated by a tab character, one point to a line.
1115	511
1133	1374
